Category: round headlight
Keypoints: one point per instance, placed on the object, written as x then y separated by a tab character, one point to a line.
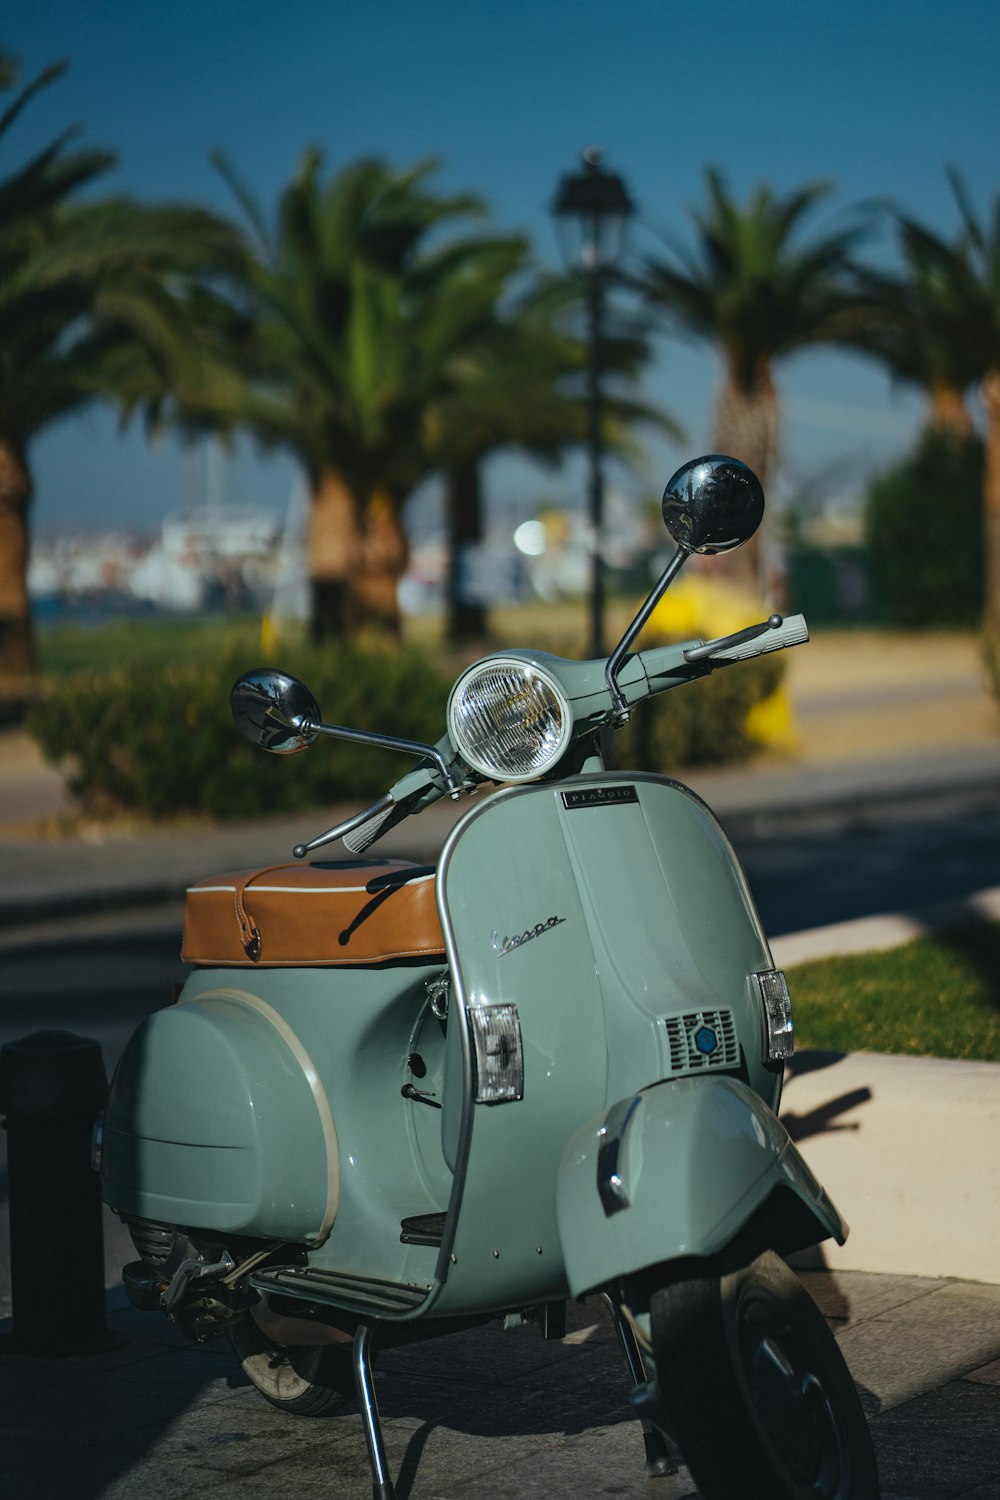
508	719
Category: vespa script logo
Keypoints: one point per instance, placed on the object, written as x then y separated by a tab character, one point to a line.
519	939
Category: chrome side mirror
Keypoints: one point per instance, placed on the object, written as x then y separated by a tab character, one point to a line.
275	711
713	504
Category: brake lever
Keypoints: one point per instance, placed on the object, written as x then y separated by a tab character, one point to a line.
380	809
727	642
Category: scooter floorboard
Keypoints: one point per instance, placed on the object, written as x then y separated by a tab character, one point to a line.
362	1294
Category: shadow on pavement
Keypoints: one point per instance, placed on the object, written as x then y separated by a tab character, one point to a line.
164	1418
978	942
822	1119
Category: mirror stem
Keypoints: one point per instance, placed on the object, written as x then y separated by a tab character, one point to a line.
389	742
620	707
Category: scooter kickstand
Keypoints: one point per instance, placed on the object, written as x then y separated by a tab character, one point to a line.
660	1461
382	1488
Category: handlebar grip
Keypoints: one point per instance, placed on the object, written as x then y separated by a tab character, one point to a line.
793	631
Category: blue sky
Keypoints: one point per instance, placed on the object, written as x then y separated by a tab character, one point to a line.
877	98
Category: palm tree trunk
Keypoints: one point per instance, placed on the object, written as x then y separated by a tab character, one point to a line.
747	428
949	413
17	641
991	504
333	552
466	619
384	554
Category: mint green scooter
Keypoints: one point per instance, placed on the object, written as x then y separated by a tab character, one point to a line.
393	1101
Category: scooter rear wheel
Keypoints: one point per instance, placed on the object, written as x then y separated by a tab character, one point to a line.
763	1404
316	1380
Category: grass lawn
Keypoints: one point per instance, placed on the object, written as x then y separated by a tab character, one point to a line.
936	997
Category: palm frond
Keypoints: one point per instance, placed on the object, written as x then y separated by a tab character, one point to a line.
8	77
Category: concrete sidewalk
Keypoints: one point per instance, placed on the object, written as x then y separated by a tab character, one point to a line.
485	1413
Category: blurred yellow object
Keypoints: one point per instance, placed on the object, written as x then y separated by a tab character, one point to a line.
770	722
556	527
268	635
700	607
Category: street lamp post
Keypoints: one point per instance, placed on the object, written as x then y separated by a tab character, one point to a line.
591	209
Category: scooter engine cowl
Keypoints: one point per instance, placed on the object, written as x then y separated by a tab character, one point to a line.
216	1120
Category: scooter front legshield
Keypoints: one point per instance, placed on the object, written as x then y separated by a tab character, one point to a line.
680	1169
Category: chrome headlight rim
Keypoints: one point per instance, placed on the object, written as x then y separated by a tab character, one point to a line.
492	768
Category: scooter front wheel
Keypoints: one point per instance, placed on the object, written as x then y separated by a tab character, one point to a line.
763	1404
310	1381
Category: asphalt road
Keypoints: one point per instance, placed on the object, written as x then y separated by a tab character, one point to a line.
895	858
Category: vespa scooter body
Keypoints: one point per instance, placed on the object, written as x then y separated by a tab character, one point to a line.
548	1068
609	919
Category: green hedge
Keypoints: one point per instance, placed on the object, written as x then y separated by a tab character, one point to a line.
925	535
162	741
703	723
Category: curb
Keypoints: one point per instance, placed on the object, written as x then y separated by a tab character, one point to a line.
887	930
906	1148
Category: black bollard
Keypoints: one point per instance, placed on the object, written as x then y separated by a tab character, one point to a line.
52	1088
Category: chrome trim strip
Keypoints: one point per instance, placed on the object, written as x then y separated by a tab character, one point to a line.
610	1186
457	1015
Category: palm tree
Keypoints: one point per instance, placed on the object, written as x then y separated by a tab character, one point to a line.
979	275
486	403
354	327
509	395
751	288
938	326
517	388
917	324
91	308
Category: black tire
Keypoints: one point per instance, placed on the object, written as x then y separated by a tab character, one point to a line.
312	1381
762	1402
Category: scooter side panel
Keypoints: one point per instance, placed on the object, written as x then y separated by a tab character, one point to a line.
206	1101
359	1027
268	1103
675	1171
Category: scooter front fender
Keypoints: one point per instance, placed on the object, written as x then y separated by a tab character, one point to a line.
680	1169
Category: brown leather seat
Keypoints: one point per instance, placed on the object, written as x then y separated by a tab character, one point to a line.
367	912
